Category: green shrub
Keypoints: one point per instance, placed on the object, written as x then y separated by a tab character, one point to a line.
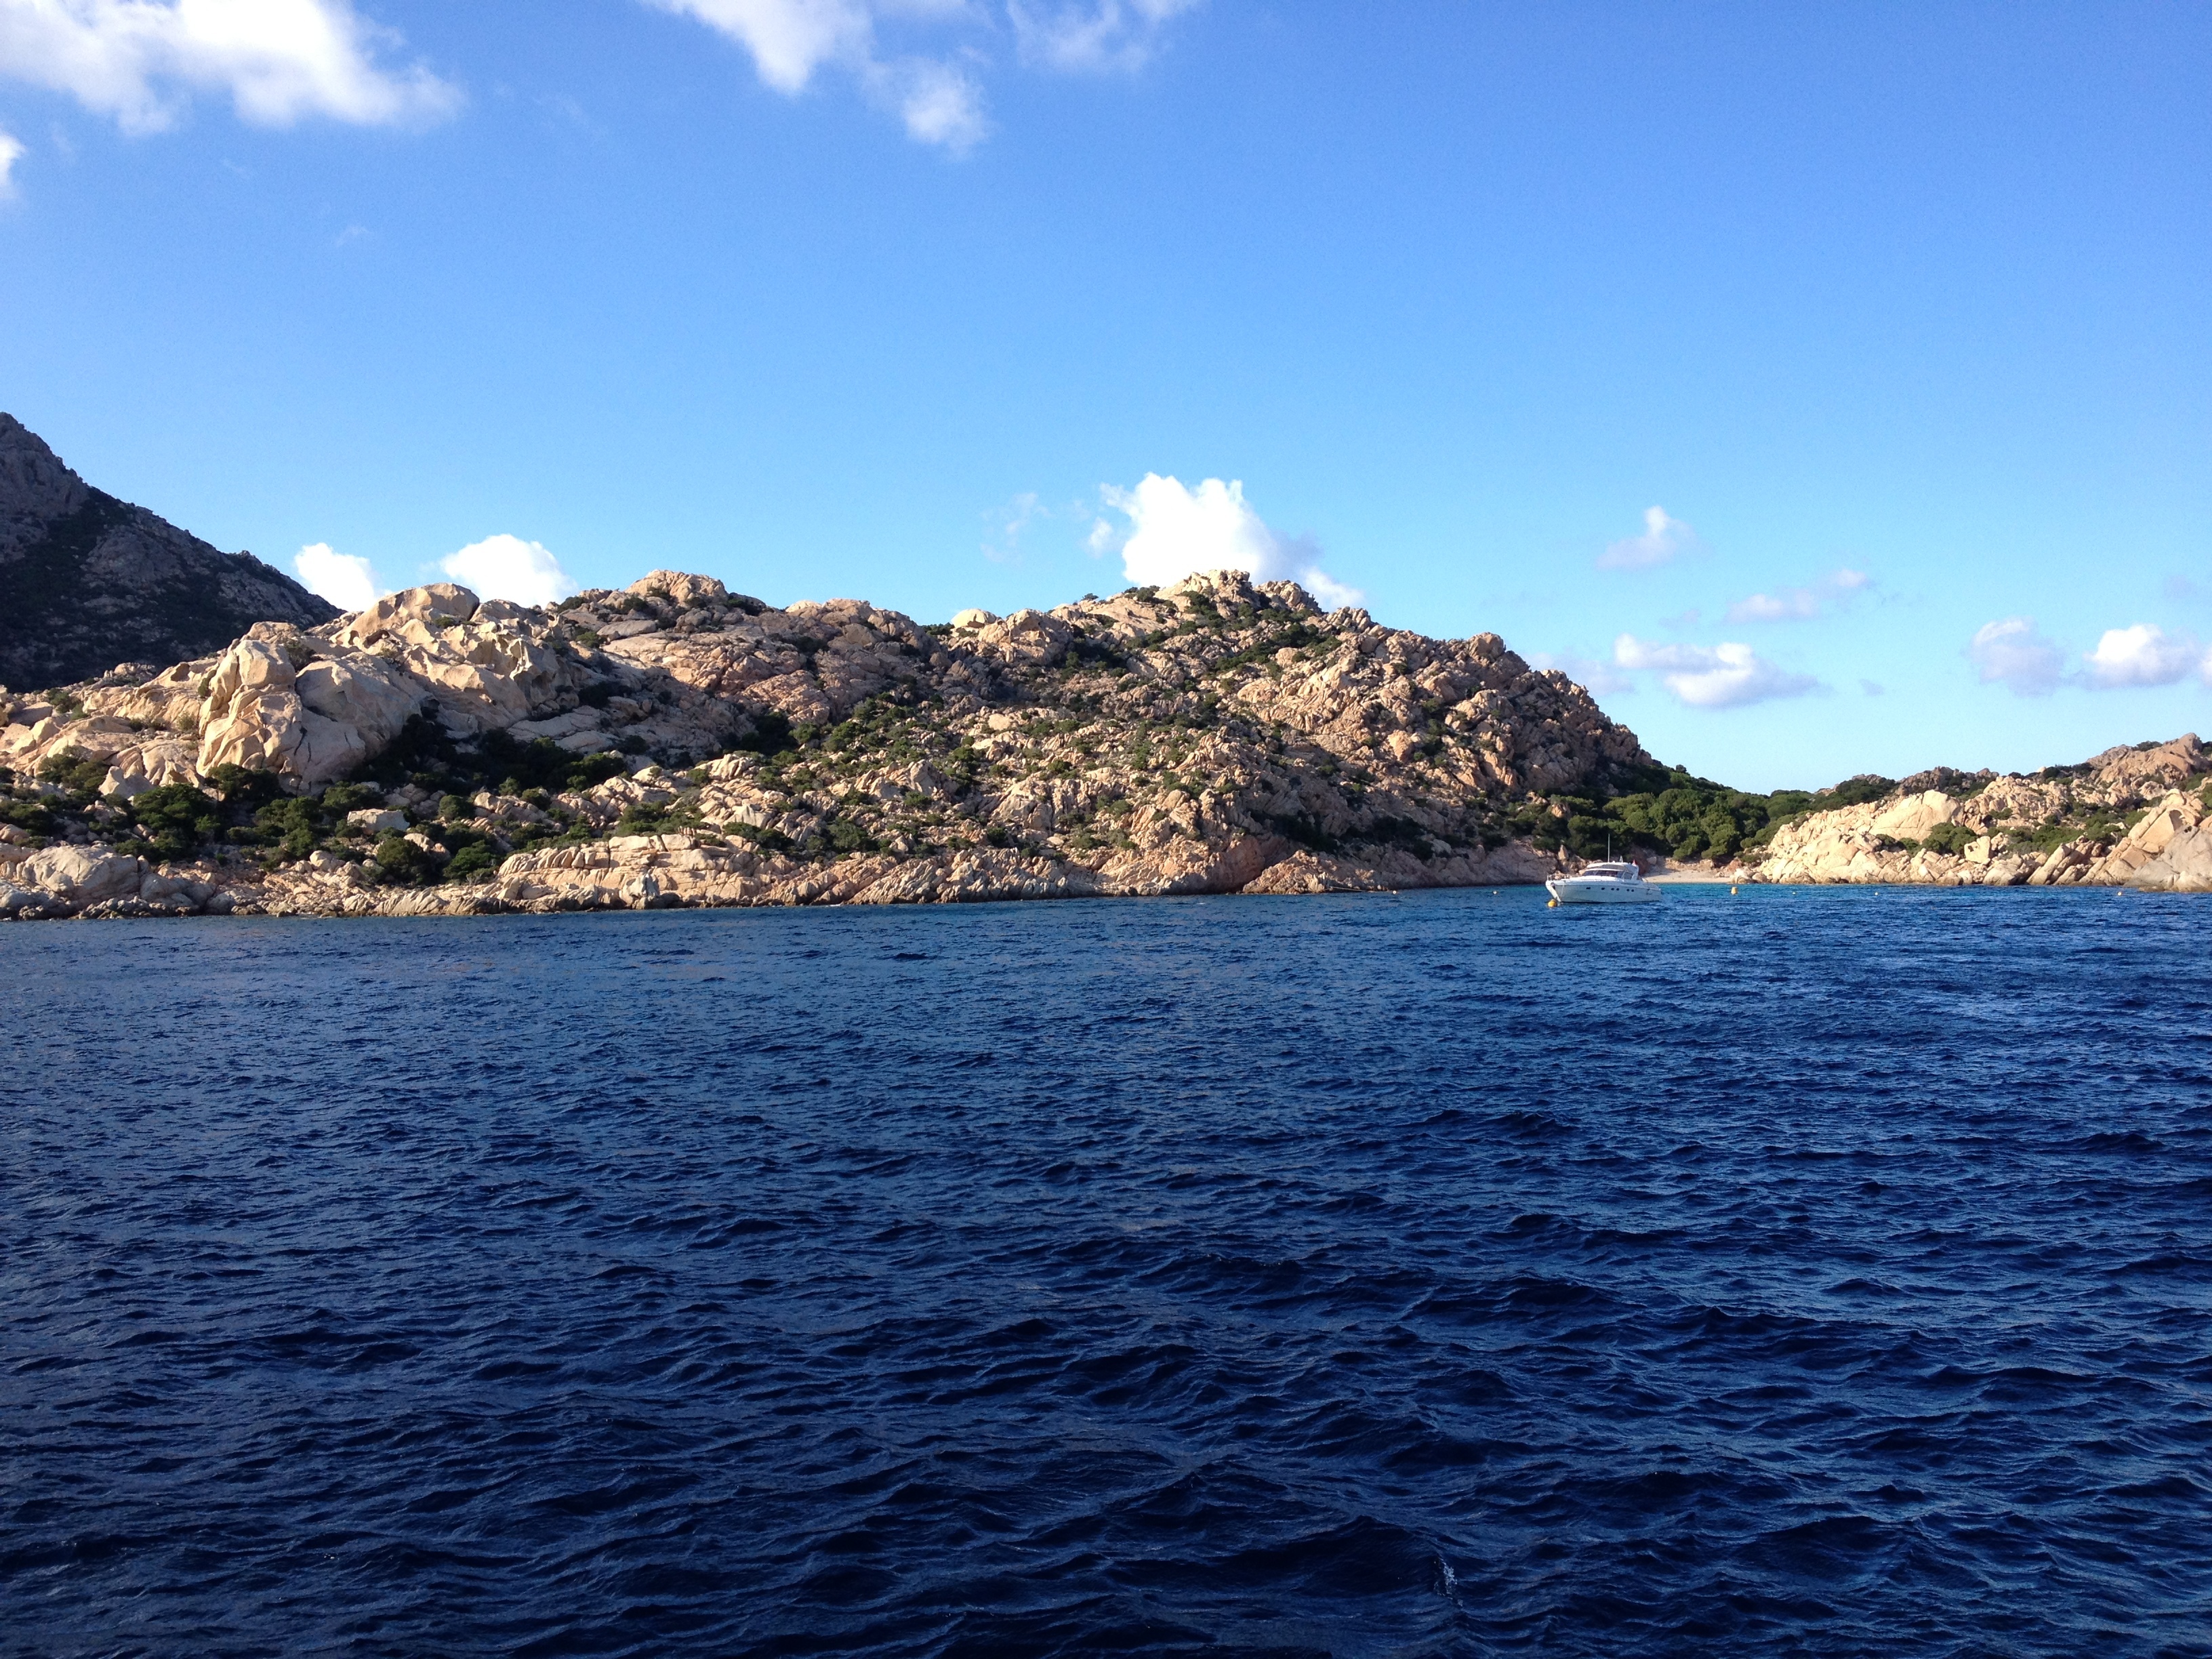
403	862
1857	792
1949	838
175	819
244	790
472	861
292	825
73	773
33	817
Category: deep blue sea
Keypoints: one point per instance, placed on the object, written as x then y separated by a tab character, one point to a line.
1804	1272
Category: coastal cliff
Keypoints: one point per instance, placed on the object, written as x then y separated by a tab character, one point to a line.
676	743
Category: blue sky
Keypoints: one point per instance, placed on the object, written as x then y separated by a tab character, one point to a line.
1896	317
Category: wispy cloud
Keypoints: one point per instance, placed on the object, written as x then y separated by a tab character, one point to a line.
1831	593
280	61
1663	539
1009	524
1726	676
1106	36
2011	653
1174	530
936	90
11	151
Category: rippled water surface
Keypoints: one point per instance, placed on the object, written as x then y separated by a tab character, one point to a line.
1802	1272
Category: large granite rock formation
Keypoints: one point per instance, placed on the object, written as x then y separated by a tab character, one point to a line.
1214	735
87	581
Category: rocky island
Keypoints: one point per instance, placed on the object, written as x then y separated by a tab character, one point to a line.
676	743
673	743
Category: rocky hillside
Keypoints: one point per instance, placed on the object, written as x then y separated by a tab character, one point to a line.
674	743
2129	817
87	581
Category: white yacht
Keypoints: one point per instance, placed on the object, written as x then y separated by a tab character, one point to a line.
1604	882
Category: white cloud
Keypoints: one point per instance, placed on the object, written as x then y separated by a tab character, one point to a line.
1663	539
2011	653
789	39
280	61
1109	35
1829	594
939	102
1725	675
1174	530
2144	655
11	151
936	92
508	567
346	580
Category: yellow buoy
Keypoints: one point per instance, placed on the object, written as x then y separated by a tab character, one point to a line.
1731	889
1551	904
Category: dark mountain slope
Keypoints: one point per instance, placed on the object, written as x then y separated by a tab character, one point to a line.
87	581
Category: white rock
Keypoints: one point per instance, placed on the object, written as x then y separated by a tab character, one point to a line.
72	877
1911	818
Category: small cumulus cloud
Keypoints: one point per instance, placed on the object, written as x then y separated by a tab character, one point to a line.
939	102
346	580
1831	593
1663	539
2011	653
937	93
1174	530
2144	655
11	151
508	567
280	61
1726	676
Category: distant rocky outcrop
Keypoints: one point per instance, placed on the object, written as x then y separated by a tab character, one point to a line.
2130	816
87	581
674	743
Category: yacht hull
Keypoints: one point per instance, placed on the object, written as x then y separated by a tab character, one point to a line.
1576	889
